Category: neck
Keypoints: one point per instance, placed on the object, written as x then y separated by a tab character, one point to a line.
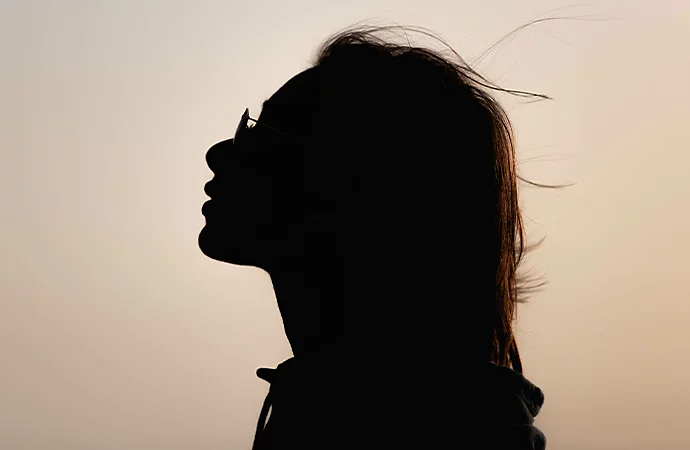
310	303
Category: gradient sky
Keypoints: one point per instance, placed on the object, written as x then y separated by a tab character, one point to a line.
117	333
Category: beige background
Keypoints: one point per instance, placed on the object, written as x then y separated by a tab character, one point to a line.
117	333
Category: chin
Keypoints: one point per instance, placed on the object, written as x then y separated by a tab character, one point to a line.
213	244
208	244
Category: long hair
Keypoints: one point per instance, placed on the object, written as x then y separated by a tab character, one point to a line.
404	85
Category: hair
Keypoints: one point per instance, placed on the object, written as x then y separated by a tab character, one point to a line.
378	94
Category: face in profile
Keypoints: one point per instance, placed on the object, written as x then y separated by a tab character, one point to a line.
253	211
239	211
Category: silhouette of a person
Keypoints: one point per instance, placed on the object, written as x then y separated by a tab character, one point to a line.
378	190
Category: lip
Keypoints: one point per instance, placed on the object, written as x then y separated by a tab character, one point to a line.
206	208
208	189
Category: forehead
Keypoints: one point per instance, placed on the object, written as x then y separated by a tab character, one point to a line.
291	107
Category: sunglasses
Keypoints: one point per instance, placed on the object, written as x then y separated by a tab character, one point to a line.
243	128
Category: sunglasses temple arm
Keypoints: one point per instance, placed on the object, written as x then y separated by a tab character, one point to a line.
271	128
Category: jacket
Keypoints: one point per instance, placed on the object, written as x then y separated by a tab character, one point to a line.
332	405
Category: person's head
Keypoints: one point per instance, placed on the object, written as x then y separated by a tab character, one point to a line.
391	159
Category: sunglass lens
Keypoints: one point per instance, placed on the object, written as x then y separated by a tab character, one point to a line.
241	127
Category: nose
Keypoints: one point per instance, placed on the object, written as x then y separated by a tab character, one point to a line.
217	155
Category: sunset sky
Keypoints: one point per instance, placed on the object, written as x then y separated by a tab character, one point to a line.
117	333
